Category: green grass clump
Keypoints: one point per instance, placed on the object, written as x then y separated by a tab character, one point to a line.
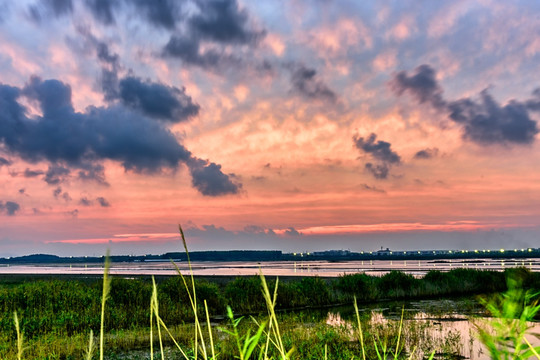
505	334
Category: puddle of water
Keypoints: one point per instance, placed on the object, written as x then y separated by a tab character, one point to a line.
431	324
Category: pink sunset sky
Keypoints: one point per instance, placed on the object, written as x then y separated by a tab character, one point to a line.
295	125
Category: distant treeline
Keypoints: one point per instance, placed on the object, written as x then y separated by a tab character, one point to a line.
67	307
276	255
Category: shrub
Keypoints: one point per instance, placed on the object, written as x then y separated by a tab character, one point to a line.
359	285
315	290
396	284
243	294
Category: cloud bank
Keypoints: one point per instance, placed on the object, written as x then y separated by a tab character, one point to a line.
484	121
126	134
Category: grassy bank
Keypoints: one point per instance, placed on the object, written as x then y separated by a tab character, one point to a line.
56	315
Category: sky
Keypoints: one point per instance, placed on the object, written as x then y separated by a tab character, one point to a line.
294	125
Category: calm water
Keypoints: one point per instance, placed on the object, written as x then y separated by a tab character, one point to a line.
276	268
445	325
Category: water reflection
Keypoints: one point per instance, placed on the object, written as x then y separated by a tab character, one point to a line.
441	325
277	268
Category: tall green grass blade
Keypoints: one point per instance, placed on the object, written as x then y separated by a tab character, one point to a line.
152	326
19	336
156	314
252	342
396	353
533	349
104	297
91	347
209	330
361	335
379	356
161	323
234	333
264	350
192	294
245	344
270	304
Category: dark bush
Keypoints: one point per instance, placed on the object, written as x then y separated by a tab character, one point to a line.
315	290
396	281
244	294
359	285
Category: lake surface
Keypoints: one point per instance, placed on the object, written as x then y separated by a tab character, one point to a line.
275	268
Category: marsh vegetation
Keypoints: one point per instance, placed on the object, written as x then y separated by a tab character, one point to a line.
257	317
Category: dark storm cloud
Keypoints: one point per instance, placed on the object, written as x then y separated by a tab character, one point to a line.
484	121
380	150
208	178
93	172
69	139
102	10
217	23
422	85
305	82
32	173
62	135
426	153
157	100
84	201
534	104
109	84
223	22
53	96
188	49
103	202
57	192
152	99
110	62
379	171
372	188
9	207
73	213
160	13
4	162
103	53
56	174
